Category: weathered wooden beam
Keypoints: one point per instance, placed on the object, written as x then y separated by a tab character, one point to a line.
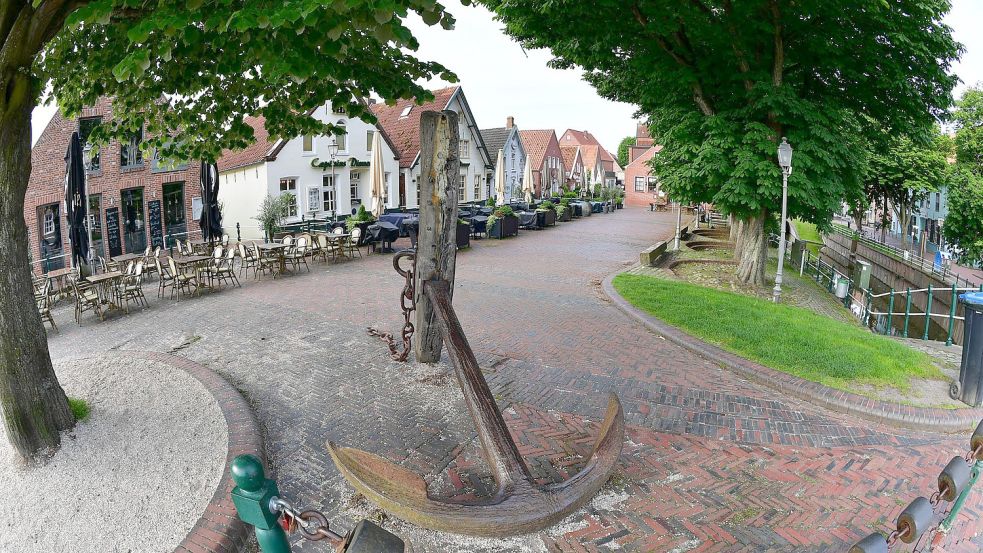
436	249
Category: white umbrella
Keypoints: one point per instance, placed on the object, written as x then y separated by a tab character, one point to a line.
377	177
527	185
500	180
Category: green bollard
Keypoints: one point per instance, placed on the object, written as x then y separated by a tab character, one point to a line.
907	313
928	312
890	314
957	506
252	496
952	316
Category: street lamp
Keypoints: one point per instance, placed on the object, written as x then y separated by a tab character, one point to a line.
87	166
332	152
785	161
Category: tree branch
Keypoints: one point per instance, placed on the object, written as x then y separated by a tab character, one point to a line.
778	64
742	63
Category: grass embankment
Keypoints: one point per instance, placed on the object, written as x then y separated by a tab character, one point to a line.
789	339
808	231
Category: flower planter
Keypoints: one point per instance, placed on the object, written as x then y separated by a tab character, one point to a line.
463	235
504	227
565	218
549	217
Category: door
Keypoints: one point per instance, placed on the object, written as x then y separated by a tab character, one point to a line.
175	216
402	190
95	221
134	220
49	233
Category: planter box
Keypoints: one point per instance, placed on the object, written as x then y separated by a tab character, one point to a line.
566	215
549	217
503	228
463	236
621	206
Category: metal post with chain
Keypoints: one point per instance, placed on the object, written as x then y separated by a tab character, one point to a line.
407	295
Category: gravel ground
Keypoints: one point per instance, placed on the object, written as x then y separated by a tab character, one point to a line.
134	477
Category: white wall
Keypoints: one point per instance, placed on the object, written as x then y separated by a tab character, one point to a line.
241	191
293	161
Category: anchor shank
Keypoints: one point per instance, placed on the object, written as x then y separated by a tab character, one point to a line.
500	450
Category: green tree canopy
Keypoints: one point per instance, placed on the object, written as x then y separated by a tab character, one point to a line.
191	69
964	222
722	81
623	147
969	136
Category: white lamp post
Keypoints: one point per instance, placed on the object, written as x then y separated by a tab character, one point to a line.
785	161
86	167
332	152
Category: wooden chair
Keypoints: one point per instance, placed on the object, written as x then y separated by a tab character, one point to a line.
218	256
86	299
42	298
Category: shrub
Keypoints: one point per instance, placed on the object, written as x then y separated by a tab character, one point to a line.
361	216
504	211
490	202
80	409
272	211
547	205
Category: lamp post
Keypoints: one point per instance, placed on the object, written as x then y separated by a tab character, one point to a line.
332	152
679	222
785	161
86	167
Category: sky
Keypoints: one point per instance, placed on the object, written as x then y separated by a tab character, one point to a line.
500	79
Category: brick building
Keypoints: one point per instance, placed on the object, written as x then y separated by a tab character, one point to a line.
543	151
641	185
599	162
135	201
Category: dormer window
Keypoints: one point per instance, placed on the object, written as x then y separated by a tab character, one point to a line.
406	111
130	154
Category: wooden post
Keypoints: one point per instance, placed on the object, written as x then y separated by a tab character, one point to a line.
436	249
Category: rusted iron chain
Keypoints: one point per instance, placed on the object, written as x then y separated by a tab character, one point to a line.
407	295
312	524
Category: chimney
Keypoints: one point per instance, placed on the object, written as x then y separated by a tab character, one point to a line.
509	122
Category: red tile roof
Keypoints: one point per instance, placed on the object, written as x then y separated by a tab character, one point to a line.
585	138
404	132
589	154
643	159
569	155
254	153
536	142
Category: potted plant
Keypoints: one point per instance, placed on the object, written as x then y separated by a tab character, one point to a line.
619	199
563	210
503	223
271	213
463	234
549	213
362	219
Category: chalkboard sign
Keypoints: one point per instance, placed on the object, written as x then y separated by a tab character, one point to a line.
156	229
112	232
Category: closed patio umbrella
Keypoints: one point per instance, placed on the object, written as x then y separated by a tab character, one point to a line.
211	217
527	184
75	201
377	177
500	180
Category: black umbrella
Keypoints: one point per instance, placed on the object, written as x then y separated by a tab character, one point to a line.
75	201
211	218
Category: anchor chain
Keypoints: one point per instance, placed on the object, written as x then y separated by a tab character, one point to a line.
312	524
407	295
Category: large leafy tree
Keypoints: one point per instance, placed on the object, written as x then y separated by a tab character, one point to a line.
964	222
187	68
623	147
722	81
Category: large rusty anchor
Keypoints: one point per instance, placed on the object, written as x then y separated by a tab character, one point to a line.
519	505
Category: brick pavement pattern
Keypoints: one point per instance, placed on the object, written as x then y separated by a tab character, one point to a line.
712	462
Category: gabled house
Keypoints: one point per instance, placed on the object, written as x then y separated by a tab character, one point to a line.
574	164
593	165
543	151
135	200
641	184
303	167
606	173
401	122
513	155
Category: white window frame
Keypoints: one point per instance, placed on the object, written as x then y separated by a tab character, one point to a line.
369	136
292	190
461	186
303	145
354	179
342	139
49	222
464	146
477	187
313	198
641	181
328	201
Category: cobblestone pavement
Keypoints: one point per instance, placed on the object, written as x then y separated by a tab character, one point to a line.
711	462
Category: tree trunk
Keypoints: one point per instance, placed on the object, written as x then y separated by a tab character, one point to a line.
35	409
884	219
752	251
732	222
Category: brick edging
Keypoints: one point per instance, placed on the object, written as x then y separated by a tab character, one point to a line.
895	414
219	529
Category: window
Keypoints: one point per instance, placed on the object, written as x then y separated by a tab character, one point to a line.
49	222
640	184
477	187
129	152
342	139
369	135
354	178
465	148
406	111
460	188
289	186
175	219
328	198
938	199
313	198
86	126
339	109
308	144
416	183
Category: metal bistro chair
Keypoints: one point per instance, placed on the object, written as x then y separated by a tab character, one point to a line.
86	299
130	287
165	278
265	263
218	256
184	281
298	254
42	297
225	270
247	259
351	244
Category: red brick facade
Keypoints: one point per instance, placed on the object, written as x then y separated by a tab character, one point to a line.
127	190
638	175
543	151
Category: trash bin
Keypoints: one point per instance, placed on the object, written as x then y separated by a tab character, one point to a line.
842	287
970	386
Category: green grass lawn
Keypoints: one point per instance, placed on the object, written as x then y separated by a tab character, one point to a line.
807	231
790	339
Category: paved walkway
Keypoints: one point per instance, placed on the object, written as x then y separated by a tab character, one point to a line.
711	462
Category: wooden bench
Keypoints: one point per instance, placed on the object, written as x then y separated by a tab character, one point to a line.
649	255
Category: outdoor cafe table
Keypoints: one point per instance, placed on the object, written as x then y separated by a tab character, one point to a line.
337	240
104	287
527	219
195	260
58	277
397	219
279	250
479	224
384	233
122	259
